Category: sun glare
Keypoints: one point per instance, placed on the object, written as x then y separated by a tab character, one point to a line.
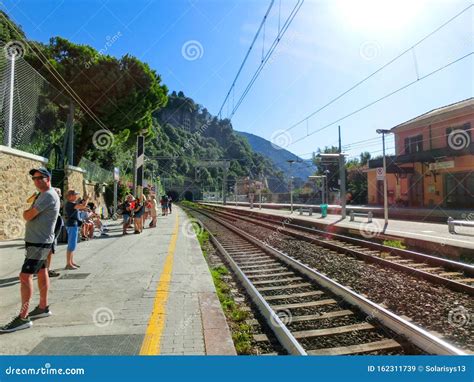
379	15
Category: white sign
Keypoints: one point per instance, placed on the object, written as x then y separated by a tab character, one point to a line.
116	174
441	165
380	173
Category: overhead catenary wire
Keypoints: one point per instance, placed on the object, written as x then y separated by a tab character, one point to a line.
385	96
379	69
270	51
246	56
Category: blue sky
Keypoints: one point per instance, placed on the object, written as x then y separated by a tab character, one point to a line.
329	47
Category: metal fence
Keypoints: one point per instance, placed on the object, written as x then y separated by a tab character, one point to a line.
25	104
96	173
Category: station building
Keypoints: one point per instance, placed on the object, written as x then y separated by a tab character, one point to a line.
433	165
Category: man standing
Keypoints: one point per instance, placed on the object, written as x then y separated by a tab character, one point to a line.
39	236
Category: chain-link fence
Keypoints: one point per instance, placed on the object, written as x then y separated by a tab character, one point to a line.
29	120
95	173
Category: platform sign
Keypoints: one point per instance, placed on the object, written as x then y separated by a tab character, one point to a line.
380	173
441	165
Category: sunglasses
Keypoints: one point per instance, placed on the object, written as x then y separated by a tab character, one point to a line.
37	177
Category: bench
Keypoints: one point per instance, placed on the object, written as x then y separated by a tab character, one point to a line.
306	209
452	223
368	215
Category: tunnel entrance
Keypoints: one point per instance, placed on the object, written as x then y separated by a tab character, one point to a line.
173	194
188	195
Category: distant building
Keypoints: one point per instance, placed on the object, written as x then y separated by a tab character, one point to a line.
433	165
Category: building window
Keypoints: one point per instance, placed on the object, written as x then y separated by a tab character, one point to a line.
414	144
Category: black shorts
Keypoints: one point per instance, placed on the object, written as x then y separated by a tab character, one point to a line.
33	266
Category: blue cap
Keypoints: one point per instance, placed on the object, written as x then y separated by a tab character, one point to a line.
41	170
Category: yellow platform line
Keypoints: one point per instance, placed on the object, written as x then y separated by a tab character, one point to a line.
151	342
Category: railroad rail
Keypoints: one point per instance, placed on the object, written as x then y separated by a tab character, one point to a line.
455	275
308	312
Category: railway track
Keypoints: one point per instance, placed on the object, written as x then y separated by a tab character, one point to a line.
309	313
452	274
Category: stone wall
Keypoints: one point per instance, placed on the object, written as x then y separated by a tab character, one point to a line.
16	187
96	198
74	180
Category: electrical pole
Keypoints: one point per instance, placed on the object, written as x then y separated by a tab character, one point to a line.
70	130
291	161
10	105
139	164
224	185
385	196
342	178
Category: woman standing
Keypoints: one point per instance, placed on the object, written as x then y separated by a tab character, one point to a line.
73	209
153	211
139	212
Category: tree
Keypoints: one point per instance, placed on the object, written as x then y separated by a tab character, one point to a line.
8	30
123	93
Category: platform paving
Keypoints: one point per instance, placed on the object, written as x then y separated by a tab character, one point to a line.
137	294
403	229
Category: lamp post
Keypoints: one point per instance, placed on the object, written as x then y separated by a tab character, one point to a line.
323	188
342	178
291	161
385	199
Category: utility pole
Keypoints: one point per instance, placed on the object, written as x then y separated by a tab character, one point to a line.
235	192
139	164
10	105
116	180
291	161
385	197
224	185
70	130
342	178
339	131
323	186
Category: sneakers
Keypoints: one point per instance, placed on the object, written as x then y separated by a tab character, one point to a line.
53	273
17	323
39	313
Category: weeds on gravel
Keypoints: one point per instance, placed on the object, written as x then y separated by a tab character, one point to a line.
394	244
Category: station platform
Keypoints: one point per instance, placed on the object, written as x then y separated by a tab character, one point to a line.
431	237
147	294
